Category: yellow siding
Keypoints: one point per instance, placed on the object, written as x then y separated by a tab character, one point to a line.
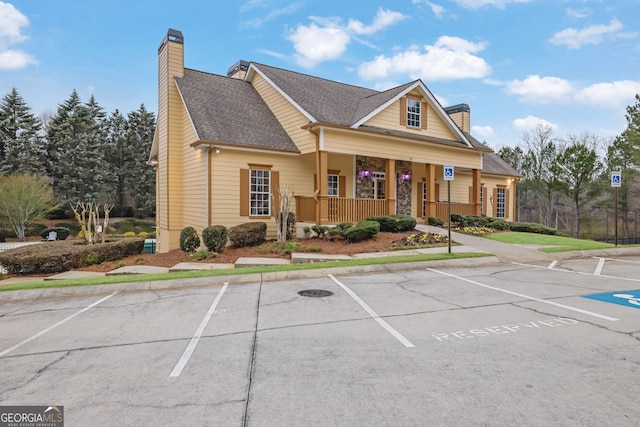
289	116
374	146
389	118
490	183
345	164
225	191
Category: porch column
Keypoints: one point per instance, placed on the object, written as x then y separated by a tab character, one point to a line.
322	206
390	173
477	176
431	191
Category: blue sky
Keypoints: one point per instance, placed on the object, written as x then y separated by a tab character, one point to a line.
571	64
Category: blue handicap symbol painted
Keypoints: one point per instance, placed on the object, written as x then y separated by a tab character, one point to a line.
627	298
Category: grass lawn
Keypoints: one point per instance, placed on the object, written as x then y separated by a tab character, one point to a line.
248	270
555	243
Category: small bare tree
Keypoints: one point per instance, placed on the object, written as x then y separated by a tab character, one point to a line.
283	208
88	216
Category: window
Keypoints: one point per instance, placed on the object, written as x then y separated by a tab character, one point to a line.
501	203
333	186
260	192
413	113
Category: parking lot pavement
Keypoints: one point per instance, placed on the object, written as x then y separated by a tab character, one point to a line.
491	345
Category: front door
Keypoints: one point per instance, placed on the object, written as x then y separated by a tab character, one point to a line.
379	189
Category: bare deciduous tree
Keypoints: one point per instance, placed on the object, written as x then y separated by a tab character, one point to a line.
88	217
283	208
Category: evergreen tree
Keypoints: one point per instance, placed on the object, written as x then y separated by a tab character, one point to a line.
76	142
21	142
140	177
115	158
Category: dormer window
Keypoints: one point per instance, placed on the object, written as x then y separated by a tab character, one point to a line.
413	113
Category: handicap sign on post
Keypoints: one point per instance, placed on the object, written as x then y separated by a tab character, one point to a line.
448	172
627	298
616	179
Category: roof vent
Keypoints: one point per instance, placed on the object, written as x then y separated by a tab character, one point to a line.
237	67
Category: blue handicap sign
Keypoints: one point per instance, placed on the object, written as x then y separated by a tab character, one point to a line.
448	173
616	179
628	298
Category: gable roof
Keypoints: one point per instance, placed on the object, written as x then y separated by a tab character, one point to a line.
228	110
327	101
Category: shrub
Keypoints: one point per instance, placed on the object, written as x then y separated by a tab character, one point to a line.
532	227
4	233
199	255
35	229
215	238
499	224
129	234
339	229
74	227
362	231
189	240
457	218
307	232
320	230
135	225
248	234
143	234
57	257
435	222
62	232
394	223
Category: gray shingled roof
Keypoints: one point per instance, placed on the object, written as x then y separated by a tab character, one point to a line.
229	110
493	164
327	101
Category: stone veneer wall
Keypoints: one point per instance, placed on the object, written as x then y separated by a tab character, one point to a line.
364	186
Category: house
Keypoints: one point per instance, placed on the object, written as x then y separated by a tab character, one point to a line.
224	147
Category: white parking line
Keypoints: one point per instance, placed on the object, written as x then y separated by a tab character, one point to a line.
599	267
628	279
65	320
373	314
590	313
177	370
553	264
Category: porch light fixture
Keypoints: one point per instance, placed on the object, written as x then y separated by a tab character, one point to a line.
364	174
405	177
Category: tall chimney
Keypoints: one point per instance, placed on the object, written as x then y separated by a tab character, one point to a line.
169	134
461	115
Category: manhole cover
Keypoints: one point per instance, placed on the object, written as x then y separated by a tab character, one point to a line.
316	293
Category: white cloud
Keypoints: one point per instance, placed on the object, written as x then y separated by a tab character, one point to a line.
477	4
12	22
579	13
437	10
450	58
315	44
594	34
483	131
530	122
326	39
14	59
383	19
272	15
609	94
541	90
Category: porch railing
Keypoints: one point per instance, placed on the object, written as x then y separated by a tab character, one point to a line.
456	208
341	209
344	209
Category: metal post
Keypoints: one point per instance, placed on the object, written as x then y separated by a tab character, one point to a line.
449	212
615	213
607	238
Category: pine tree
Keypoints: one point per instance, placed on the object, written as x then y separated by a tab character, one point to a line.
21	141
115	159
140	177
76	141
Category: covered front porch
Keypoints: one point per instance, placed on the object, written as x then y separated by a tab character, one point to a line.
375	186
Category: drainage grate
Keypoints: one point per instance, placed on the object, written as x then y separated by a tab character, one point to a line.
315	293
